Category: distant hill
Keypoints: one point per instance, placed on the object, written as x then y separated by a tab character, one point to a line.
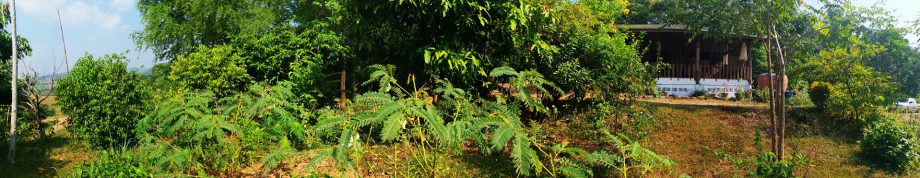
47	78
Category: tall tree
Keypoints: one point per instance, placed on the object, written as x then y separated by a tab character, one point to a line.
13	106
176	27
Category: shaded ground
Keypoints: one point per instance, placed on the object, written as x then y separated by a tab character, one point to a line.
55	155
690	132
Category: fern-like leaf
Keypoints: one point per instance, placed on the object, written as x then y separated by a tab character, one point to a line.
503	71
393	127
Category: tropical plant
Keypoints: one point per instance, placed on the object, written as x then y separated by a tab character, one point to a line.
114	163
413	118
765	164
103	99
890	145
529	87
218	69
197	131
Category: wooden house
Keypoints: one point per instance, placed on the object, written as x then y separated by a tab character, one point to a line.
695	63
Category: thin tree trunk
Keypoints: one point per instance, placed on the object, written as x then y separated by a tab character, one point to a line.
781	66
342	89
773	134
12	151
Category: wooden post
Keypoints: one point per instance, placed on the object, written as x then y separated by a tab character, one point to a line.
12	151
696	66
61	24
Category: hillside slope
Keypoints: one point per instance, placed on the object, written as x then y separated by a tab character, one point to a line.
692	133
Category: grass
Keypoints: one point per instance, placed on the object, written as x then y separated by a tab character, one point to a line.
55	155
692	133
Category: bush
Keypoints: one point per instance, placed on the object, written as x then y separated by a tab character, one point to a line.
761	95
801	97
113	164
819	93
698	93
103	99
217	69
197	131
889	145
764	164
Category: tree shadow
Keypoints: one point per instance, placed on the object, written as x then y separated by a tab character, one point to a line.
34	157
488	165
812	121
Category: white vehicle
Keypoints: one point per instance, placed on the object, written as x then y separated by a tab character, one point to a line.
908	104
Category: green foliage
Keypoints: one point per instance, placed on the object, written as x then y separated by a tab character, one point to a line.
698	93
218	69
307	56
197	131
819	93
529	87
889	145
122	163
175	28
765	164
24	125
634	160
761	95
802	96
103	100
394	114
6	55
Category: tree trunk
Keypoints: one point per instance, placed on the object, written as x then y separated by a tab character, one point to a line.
12	151
342	89
781	67
773	133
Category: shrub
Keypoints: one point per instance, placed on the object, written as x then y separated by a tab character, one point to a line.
217	69
889	145
764	164
496	127
698	93
103	100
819	93
761	95
201	132
801	98
114	164
24	126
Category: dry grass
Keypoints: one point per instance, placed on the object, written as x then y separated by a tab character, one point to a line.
692	133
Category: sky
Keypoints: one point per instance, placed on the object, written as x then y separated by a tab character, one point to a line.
100	27
96	27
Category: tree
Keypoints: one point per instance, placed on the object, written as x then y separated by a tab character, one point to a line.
33	99
103	99
175	28
219	69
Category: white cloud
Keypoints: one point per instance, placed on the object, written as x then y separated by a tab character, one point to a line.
122	5
78	12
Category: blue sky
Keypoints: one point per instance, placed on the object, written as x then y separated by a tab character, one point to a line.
97	27
100	27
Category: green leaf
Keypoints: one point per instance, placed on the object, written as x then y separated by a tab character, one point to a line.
393	127
501	136
503	71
